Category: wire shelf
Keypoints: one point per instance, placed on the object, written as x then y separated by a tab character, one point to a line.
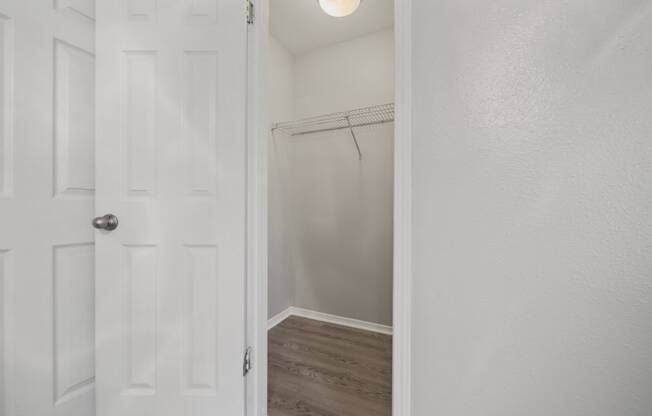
360	117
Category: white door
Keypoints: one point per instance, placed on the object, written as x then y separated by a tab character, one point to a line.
47	180
170	165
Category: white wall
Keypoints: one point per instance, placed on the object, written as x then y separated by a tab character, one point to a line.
343	206
532	202
339	220
347	75
281	103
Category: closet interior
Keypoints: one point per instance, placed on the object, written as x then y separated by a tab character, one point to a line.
331	103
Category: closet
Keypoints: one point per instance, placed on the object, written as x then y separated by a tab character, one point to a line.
330	176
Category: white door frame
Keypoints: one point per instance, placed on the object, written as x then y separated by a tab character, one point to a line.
258	128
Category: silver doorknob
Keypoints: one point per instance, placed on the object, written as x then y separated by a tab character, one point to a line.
108	222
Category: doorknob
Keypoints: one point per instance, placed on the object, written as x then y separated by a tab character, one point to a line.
108	222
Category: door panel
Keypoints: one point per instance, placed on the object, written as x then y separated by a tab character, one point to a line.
74	118
171	164
6	99
47	124
74	341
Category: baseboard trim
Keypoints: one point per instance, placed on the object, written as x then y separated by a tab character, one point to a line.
326	317
278	318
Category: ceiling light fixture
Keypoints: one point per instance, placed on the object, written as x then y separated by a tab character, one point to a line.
339	8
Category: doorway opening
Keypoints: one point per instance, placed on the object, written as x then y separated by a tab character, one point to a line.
330	103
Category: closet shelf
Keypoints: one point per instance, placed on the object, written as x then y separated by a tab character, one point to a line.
360	117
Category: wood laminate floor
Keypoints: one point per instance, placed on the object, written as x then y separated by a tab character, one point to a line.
322	369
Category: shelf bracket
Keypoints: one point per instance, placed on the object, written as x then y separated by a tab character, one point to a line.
355	139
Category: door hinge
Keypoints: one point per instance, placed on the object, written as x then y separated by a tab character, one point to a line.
250	11
246	365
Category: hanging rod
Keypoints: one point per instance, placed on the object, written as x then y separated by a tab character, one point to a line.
360	117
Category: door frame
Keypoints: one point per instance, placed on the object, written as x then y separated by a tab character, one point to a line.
258	127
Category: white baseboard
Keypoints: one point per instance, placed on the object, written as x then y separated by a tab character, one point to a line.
326	317
278	318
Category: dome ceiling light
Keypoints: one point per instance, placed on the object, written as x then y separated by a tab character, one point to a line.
339	8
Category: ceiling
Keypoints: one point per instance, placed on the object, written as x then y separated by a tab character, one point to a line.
301	25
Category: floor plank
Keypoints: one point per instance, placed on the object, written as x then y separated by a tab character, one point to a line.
323	369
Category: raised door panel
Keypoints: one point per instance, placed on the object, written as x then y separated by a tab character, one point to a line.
139	315
74	110
6	104
199	120
74	324
200	366
139	122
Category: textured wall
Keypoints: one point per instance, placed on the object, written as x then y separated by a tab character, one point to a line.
532	202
